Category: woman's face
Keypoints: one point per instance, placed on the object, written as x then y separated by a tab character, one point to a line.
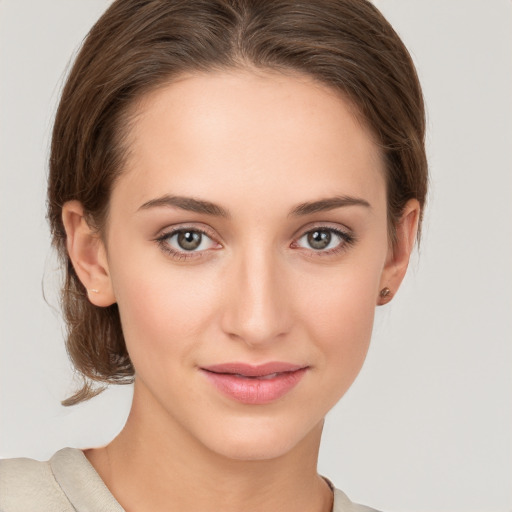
246	247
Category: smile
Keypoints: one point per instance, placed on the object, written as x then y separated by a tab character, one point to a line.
254	385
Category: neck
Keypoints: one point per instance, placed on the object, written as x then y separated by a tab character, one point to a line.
153	463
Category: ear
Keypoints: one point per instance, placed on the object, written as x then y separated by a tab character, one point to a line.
88	255
399	253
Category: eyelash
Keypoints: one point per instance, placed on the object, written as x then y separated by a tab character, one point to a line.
162	241
346	240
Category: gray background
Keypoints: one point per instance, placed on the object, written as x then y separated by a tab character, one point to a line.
427	425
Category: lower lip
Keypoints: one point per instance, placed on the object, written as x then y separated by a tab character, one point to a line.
255	391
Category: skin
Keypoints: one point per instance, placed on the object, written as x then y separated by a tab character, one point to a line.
257	144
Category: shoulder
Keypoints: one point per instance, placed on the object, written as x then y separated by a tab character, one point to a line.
29	485
65	483
343	504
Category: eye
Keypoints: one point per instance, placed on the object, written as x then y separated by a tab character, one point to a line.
328	240
185	242
189	240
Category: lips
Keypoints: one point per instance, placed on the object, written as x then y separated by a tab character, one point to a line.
254	385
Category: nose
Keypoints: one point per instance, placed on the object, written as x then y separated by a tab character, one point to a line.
256	306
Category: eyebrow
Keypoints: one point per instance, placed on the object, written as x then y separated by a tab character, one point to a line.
187	203
201	206
329	203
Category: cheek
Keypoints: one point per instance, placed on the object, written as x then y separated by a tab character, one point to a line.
338	314
164	309
343	323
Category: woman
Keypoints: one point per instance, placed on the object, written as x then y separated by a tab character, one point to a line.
234	186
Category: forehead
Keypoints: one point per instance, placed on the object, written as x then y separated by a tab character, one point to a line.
254	135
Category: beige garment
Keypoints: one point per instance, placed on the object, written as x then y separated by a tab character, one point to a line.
69	483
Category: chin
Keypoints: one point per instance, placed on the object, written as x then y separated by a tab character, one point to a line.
260	442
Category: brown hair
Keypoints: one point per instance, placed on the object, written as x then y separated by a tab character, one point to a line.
138	45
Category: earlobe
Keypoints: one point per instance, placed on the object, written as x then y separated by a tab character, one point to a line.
88	255
400	252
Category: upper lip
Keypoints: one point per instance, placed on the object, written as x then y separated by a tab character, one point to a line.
249	370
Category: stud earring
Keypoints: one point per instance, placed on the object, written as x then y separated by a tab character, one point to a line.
385	292
94	290
385	296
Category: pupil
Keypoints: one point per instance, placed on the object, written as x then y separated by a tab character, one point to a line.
319	239
189	240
